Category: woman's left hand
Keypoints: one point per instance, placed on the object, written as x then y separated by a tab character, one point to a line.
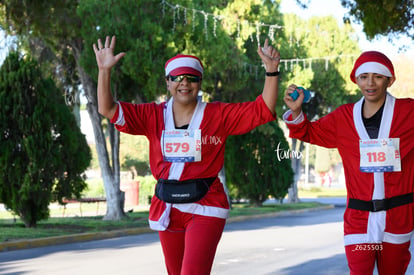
270	56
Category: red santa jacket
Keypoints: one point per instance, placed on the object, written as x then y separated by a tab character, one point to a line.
217	121
343	129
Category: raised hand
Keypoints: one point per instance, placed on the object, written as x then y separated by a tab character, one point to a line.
270	56
294	105
105	54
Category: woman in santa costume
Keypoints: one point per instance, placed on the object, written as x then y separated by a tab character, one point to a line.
374	137
187	139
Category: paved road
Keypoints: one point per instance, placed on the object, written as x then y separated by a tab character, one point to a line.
307	243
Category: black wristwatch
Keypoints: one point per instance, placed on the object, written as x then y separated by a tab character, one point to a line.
272	73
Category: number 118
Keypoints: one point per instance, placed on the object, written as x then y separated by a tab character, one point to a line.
376	157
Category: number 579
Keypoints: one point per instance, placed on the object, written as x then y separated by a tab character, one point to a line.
177	147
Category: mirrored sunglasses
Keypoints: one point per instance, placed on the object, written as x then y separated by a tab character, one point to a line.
190	78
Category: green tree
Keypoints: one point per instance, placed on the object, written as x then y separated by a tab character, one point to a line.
149	38
250	158
256	166
134	155
391	17
328	51
388	17
43	153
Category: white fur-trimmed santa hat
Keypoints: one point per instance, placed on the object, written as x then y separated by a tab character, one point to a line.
372	62
184	64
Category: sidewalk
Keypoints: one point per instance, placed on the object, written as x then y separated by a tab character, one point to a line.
83	237
336	201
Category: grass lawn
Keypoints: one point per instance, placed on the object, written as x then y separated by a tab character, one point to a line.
318	192
13	229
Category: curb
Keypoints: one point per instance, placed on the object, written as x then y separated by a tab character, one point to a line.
83	237
279	214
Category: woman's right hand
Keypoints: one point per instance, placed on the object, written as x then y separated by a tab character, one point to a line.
294	105
105	54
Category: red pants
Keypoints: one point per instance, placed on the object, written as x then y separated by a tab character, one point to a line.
392	259
190	242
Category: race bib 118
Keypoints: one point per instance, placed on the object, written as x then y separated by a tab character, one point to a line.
380	155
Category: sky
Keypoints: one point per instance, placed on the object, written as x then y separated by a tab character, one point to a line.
334	8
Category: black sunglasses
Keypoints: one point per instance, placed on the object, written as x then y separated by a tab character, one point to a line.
190	78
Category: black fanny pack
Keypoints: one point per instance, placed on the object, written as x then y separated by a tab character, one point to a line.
175	191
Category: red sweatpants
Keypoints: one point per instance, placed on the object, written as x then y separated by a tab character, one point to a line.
392	259
190	242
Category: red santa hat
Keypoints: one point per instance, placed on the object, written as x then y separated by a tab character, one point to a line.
184	64
372	62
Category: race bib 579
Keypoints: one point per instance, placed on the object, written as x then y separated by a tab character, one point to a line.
181	145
